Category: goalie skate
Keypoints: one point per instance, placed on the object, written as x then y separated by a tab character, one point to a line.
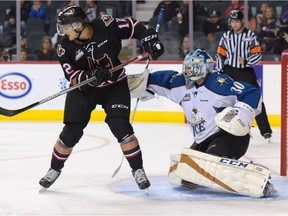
269	190
49	178
141	179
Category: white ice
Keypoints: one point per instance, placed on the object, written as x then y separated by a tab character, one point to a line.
85	186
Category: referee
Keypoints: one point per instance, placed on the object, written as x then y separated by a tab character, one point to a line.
237	52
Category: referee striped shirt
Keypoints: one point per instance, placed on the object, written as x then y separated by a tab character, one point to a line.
232	46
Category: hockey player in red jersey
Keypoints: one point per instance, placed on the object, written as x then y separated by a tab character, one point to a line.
90	49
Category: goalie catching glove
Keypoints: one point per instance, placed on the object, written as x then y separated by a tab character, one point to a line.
101	75
137	84
236	120
152	44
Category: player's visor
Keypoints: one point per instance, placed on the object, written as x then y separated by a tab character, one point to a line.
61	29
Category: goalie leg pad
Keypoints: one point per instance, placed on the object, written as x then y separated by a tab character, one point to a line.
173	177
219	173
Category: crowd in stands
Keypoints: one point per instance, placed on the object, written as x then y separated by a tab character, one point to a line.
38	25
269	20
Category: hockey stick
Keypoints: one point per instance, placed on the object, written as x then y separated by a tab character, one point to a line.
136	105
9	113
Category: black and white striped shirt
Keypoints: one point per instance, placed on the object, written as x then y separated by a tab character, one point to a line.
232	46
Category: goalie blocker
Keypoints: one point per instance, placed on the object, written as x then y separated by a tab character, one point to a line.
192	168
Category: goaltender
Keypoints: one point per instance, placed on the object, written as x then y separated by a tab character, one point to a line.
220	112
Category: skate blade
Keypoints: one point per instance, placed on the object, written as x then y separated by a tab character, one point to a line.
146	191
42	189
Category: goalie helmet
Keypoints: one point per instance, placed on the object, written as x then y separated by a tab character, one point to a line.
236	15
70	15
196	65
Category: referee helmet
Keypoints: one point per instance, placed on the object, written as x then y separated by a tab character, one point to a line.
236	15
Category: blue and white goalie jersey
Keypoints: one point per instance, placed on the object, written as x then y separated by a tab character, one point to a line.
202	102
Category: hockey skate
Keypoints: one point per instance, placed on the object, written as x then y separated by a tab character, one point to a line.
269	190
49	178
141	179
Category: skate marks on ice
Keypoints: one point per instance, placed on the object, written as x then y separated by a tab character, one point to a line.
16	143
161	189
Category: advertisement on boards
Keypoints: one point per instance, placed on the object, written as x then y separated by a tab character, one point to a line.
23	84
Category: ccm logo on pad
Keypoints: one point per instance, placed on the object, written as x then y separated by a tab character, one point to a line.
14	85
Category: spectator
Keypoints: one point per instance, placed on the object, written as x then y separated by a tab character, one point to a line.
9	29
268	27
171	9
252	23
260	15
24	13
281	43
126	8
185	46
214	24
23	55
39	10
23	45
5	38
47	52
5	56
183	17
127	50
235	5
91	9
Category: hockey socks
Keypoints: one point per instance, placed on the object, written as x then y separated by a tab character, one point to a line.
134	157
58	160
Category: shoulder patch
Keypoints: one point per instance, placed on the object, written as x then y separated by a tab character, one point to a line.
107	19
221	80
78	54
60	50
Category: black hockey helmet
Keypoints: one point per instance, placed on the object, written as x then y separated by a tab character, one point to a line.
70	14
235	14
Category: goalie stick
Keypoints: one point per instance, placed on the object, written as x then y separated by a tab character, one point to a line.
161	13
9	113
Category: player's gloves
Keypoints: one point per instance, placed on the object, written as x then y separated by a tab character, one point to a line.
152	44
101	74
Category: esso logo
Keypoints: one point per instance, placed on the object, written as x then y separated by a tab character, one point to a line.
14	85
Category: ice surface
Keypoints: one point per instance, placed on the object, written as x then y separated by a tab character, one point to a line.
85	186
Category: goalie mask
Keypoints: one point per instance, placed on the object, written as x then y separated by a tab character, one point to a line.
70	15
196	65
